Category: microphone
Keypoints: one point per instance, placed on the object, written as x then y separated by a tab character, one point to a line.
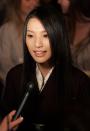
29	86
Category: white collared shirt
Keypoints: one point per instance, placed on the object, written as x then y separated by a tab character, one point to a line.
40	79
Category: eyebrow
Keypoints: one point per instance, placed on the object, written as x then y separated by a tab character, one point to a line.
33	31
29	30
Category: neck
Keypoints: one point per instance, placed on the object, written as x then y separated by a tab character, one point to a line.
44	68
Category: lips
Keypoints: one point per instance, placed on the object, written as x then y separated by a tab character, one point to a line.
39	53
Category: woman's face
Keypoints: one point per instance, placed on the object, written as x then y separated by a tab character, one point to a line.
28	5
65	5
37	41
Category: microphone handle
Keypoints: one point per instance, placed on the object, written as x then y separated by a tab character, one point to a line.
21	106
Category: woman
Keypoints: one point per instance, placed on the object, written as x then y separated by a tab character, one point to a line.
60	95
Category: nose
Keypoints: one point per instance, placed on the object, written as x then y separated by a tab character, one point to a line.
38	42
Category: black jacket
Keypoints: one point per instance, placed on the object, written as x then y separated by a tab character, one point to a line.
49	107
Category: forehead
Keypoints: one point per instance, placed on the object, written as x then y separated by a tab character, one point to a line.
35	24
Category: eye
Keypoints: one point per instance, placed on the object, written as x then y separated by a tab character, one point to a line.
45	35
30	35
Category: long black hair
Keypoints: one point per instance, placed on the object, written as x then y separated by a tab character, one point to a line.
53	21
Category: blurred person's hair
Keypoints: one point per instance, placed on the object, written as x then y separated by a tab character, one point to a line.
78	10
13	11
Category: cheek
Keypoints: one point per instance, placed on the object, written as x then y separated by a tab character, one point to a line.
28	44
49	50
29	48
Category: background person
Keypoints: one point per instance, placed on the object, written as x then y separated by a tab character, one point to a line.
77	14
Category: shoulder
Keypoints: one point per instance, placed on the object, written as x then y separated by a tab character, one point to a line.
13	79
6	28
81	82
14	75
16	68
78	74
15	71
12	88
